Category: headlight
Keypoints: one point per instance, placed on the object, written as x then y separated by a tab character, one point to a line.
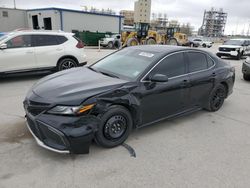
71	110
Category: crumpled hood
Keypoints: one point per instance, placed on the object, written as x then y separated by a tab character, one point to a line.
230	46
74	86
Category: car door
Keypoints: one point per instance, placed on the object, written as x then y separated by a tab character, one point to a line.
162	99
47	50
18	55
202	77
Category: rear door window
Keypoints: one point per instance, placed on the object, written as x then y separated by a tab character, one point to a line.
210	62
171	66
45	40
61	39
197	61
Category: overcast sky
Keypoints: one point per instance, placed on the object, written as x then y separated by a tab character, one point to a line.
184	10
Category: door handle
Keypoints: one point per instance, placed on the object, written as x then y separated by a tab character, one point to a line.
59	49
29	52
185	83
214	75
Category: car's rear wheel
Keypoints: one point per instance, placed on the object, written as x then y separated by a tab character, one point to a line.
116	124
66	63
216	98
246	77
110	45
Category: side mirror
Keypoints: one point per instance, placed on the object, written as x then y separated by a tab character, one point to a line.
159	78
3	46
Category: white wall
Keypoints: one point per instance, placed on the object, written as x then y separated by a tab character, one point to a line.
90	22
53	14
16	19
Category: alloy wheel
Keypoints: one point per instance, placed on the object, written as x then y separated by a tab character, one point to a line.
218	98
67	65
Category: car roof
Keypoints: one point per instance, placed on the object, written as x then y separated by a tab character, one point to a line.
51	32
240	39
164	49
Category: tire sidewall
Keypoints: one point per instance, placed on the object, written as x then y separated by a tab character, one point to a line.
59	66
113	110
210	107
110	45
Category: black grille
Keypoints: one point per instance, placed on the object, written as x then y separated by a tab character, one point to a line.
35	108
226	49
33	127
52	137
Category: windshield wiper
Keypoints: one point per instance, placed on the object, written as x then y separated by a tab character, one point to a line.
109	74
92	69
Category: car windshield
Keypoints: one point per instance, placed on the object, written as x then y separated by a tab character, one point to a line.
234	42
128	63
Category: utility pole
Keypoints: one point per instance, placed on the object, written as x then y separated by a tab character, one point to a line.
14	4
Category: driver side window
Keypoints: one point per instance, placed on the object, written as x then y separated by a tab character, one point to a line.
19	42
171	66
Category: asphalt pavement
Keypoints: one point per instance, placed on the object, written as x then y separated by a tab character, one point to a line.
199	150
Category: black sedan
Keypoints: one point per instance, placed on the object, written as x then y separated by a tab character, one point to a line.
129	89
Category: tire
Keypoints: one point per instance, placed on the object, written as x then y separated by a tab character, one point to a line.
110	45
216	98
246	77
151	41
116	125
66	63
132	42
204	45
173	42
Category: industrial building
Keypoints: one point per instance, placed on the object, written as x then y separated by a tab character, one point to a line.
128	17
214	22
60	19
142	11
11	19
159	22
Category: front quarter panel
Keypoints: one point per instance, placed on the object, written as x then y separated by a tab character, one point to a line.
125	96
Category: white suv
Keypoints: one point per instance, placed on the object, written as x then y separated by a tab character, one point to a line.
24	51
234	48
200	42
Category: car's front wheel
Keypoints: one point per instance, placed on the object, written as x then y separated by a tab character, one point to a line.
216	98
66	63
116	124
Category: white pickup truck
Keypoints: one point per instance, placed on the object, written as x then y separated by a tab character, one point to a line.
234	48
109	41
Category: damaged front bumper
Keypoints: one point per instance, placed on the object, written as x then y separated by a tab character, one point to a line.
63	134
